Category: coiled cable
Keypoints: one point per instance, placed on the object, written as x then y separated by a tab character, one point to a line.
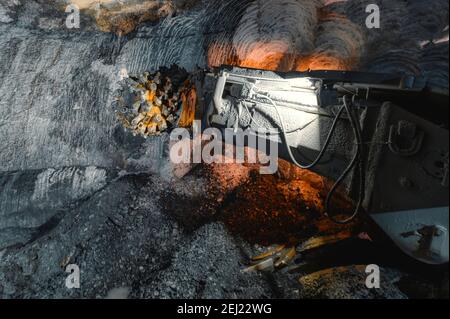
355	160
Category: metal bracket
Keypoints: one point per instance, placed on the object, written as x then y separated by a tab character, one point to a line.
405	139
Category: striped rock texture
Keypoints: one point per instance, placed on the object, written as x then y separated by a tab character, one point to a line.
75	187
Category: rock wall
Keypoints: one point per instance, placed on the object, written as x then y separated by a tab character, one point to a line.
74	187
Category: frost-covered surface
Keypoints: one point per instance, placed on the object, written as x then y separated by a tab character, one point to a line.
74	187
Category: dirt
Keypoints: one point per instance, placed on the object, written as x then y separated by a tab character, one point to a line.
287	207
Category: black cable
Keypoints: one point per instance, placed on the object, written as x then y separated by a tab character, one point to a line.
284	134
265	134
356	159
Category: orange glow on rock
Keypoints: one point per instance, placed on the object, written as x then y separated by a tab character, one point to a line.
285	208
262	56
321	62
220	53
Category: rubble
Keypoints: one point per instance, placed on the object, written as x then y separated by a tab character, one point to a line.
64	151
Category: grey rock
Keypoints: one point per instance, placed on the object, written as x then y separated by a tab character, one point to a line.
76	188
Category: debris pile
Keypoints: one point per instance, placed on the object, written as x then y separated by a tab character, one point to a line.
153	103
123	16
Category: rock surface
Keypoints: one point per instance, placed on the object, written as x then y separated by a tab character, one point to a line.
75	188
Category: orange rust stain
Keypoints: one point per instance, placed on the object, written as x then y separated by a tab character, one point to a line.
261	55
265	55
277	56
189	101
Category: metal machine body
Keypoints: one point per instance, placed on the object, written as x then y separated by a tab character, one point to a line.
402	151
